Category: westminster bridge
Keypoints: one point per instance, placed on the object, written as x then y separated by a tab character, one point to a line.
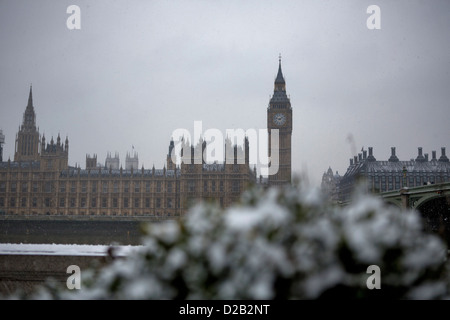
419	197
431	200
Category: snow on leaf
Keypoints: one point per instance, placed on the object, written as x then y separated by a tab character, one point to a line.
278	243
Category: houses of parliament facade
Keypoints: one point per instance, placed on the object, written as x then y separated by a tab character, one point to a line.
40	180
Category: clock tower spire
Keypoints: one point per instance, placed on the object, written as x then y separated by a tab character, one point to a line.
279	116
27	140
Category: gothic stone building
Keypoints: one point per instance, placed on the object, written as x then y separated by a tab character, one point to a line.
330	184
279	117
391	174
40	181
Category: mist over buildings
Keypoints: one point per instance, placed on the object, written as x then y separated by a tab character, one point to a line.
136	71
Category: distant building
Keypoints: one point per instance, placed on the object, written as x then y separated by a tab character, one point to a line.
393	174
40	181
2	141
28	138
112	163
91	162
132	162
330	184
279	117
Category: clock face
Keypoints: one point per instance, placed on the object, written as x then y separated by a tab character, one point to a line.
279	119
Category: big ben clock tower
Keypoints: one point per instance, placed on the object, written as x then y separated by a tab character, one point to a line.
279	116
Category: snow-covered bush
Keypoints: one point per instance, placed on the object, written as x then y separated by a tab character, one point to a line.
277	243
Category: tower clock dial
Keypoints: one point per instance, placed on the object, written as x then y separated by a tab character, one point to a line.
279	119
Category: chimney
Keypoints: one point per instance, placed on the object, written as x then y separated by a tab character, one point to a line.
443	157
364	154
433	155
355	159
393	157
351	161
371	157
359	157
420	157
426	157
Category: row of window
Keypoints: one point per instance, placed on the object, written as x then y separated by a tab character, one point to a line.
411	180
104	187
107	213
213	187
104	203
123	213
36	175
396	183
278	106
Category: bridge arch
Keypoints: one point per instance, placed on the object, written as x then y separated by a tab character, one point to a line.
393	201
435	211
415	197
424	199
431	201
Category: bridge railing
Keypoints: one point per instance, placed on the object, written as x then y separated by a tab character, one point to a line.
420	194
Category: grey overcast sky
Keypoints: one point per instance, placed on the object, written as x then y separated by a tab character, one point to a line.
137	70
